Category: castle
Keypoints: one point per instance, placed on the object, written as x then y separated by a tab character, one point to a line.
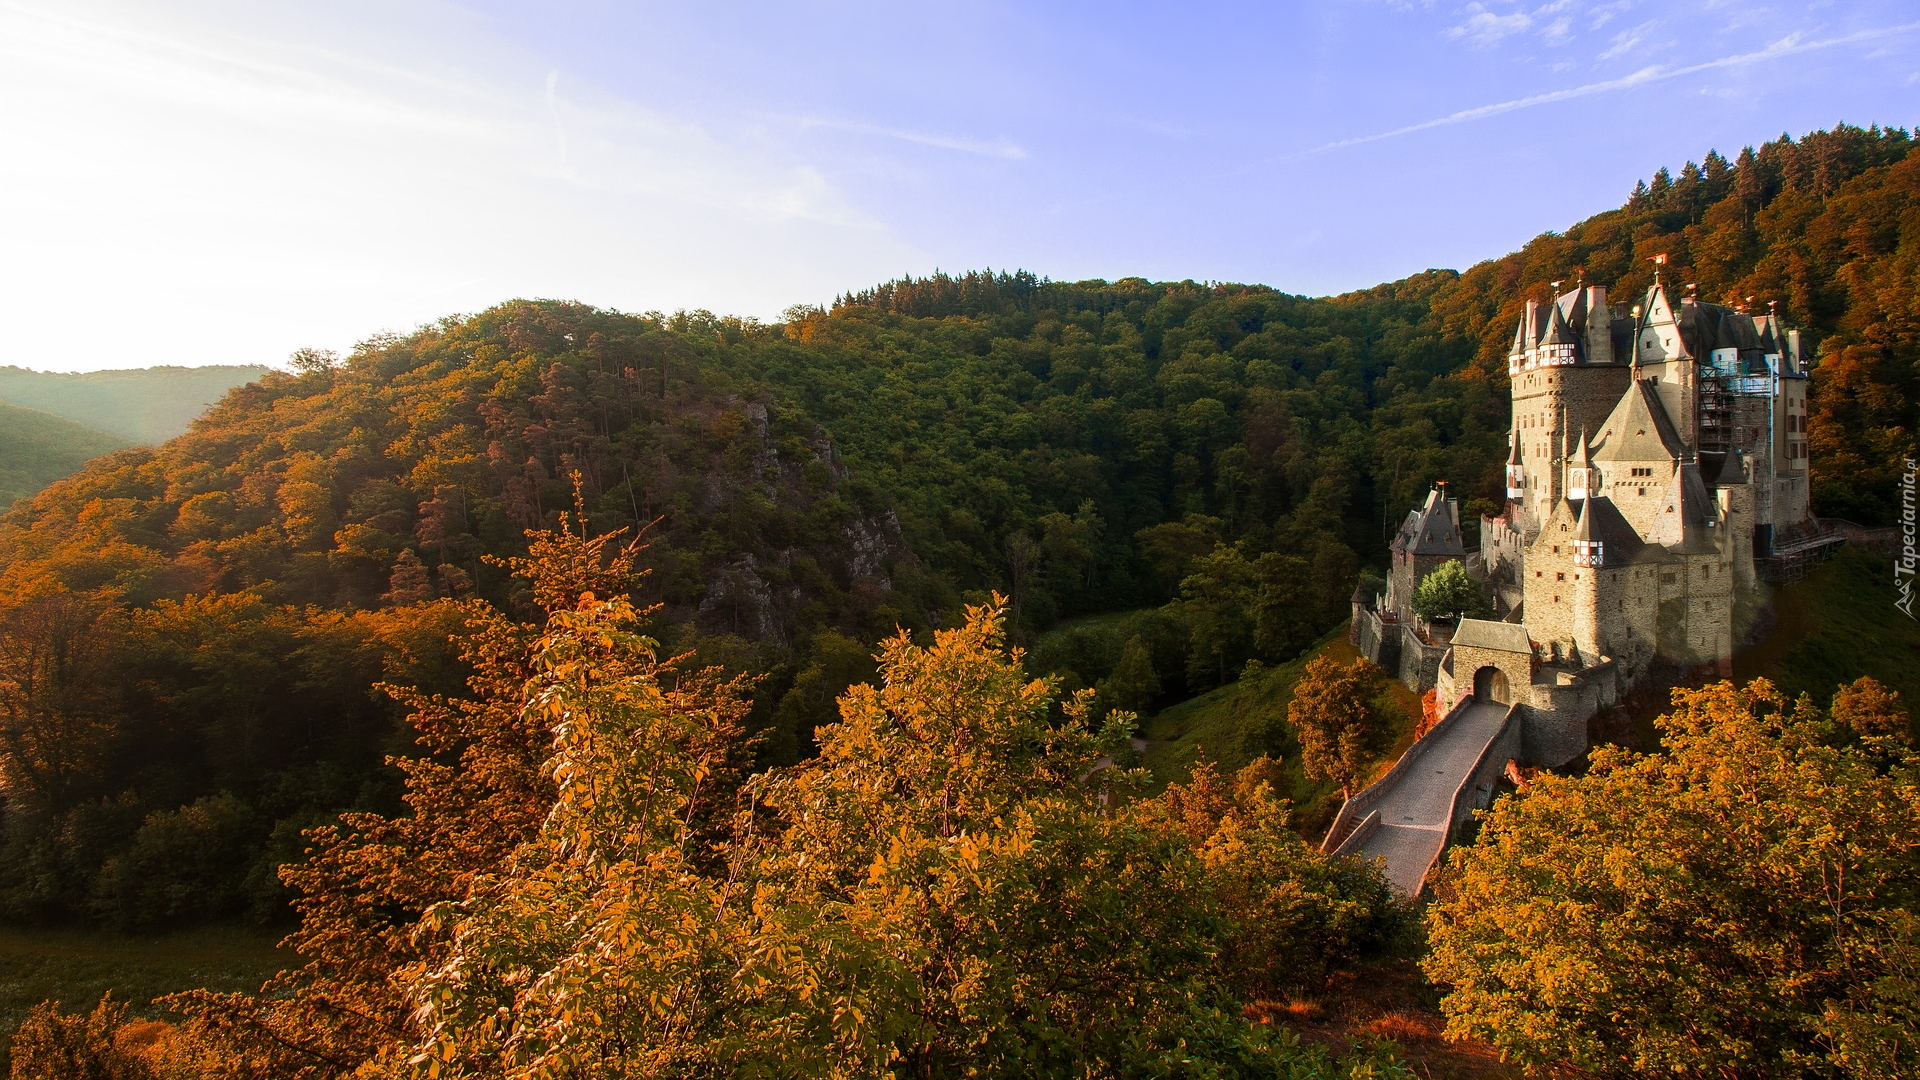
1657	471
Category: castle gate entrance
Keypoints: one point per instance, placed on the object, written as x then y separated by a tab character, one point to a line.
1490	685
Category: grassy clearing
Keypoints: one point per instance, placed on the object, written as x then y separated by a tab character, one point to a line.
1227	726
1835	626
75	967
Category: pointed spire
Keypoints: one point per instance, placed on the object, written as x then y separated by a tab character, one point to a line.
1580	470
1588	551
1558	332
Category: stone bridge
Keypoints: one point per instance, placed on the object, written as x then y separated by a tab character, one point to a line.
1407	817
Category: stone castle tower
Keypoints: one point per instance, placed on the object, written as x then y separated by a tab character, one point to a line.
1656	471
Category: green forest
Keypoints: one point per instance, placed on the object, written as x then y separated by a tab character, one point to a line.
388	620
38	448
140	406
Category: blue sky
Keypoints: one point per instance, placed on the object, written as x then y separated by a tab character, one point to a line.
196	181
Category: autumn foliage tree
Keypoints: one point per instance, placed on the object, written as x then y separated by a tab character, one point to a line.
1294	915
1738	904
1337	716
479	792
944	890
585	883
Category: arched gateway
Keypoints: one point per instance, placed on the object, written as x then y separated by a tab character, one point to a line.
1490	685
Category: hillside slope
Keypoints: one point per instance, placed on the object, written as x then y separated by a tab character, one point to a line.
142	406
1222	459
1835	626
37	448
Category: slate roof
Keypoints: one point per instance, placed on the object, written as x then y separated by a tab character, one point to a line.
1601	520
1558	332
1639	429
1487	634
1731	473
1689	523
1564	321
1574	306
1431	530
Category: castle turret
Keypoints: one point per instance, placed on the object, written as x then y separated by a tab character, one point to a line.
1580	478
1516	471
1558	344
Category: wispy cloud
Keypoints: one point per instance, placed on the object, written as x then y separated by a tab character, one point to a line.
1626	41
1604	13
1653	73
1484	28
1001	147
553	110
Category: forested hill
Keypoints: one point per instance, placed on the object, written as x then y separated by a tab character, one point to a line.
1225	457
140	405
38	448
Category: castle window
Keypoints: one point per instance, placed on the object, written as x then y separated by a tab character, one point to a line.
1559	577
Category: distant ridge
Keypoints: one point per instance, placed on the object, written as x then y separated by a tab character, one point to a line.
142	406
37	448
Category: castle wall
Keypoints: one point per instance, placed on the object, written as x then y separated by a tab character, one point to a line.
1553	727
1419	661
1467	661
1736	507
1790	490
1551	407
1502	551
1551	586
1707	583
1375	639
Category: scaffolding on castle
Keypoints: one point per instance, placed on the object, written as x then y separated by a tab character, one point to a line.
1793	556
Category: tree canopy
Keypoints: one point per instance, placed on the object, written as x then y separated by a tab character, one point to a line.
960	882
1448	593
1738	904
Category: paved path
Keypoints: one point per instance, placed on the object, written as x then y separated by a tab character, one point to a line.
1413	812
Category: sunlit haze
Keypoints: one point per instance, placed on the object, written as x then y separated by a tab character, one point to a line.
203	182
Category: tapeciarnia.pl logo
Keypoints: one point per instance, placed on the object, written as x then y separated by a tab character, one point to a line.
1904	563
